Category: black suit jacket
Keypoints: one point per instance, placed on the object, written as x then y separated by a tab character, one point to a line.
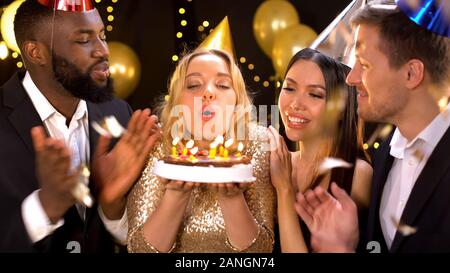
428	206
18	180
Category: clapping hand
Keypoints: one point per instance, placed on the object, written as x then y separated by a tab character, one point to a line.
280	161
53	172
115	172
332	220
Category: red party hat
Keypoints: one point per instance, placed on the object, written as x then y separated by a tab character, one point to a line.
68	5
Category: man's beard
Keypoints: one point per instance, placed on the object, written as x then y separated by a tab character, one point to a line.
80	84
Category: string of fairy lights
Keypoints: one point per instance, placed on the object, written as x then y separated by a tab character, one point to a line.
202	28
109	10
366	146
205	27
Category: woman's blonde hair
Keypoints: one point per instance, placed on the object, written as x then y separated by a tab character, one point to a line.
177	84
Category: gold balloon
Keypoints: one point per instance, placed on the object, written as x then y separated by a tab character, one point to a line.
271	18
125	69
7	24
220	38
289	42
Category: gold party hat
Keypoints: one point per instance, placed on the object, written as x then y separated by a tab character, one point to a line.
220	38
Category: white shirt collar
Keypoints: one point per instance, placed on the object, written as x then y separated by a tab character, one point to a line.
44	108
431	135
81	110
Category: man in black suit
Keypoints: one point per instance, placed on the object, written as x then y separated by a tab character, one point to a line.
401	72
45	118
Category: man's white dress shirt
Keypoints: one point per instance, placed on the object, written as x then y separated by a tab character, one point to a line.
409	161
76	137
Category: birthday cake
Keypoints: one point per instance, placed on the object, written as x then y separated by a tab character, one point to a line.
207	167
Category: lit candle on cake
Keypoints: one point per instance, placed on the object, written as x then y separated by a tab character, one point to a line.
213	149
188	146
219	140
174	146
193	152
228	143
240	148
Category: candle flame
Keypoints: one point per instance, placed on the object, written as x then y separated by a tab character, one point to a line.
213	145
240	147
193	151
219	139
175	141
229	142
190	144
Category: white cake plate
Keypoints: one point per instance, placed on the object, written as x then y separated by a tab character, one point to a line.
238	173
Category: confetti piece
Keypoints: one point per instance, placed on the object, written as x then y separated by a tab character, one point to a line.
330	163
419	154
81	191
443	102
109	127
381	132
404	229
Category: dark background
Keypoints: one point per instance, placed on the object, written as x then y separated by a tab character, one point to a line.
150	27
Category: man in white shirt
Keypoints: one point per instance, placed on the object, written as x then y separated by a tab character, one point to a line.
66	87
401	74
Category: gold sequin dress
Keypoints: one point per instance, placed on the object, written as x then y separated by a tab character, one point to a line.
203	227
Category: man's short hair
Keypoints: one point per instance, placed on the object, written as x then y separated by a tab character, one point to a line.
402	40
31	18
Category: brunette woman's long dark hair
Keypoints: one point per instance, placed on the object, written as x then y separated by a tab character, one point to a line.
347	139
